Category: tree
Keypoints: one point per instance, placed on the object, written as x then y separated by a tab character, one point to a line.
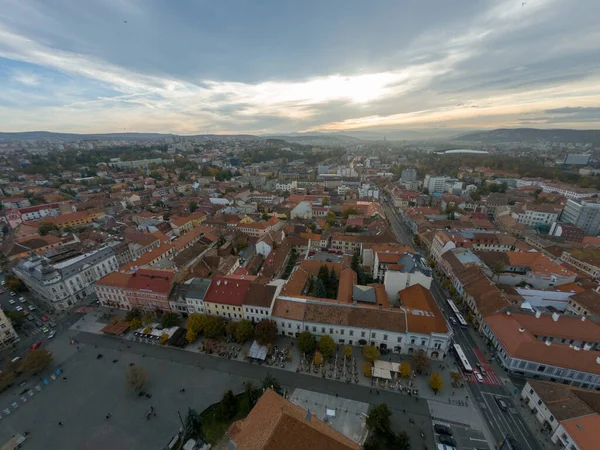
190	335
192	425
320	290
378	420
349	212
436	383
169	319
270	382
327	345
456	377
420	361
5	229
469	316
266	332
13	284
323	274
135	324
133	314
164	338
401	441
371	353
136	378
148	318
318	359
213	327
330	218
355	264
36	360
348	351
196	322
17	318
251	392
307	342
47	227
405	370
227	405
366	367
241	331
333	285
192	206
265	216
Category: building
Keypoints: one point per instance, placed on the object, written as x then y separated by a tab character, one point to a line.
275	423
408	175
64	278
584	214
259	300
399	271
472	239
586	303
577	159
586	260
532	268
568	231
570	415
193	294
225	297
557	348
533	214
435	184
145	289
8	335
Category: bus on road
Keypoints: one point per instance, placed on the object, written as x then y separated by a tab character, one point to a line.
464	362
461	320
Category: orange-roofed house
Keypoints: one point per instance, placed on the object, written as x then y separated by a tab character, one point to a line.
274	424
561	348
149	289
536	270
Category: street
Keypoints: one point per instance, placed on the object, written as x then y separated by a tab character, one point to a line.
501	423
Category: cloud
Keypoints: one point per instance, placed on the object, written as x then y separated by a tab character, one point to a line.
195	66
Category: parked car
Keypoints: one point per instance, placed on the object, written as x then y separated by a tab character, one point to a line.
19	308
478	376
45	330
328	259
453	321
22	299
30	318
32	308
448	440
36	345
442	429
1	291
501	403
12	294
52	334
44	319
11	301
39	324
481	369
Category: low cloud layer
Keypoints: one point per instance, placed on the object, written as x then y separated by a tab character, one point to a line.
268	67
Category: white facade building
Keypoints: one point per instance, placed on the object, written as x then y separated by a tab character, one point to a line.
8	335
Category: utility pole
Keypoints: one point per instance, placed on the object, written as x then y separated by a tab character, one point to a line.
180	419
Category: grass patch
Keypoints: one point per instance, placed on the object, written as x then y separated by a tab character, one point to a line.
214	427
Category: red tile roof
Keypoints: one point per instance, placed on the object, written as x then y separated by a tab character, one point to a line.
157	281
228	291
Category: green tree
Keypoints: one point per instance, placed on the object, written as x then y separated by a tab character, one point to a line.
136	378
251	392
330	218
378	420
191	335
47	227
350	212
265	332
227	406
17	318
213	327
323	274
370	352
135	324
270	382
355	264
320	289
192	425
5	229
420	361
348	351
169	319
333	284
36	360
327	345
192	206
265	216
402	441
196	322
241	331
436	383
469	316
307	342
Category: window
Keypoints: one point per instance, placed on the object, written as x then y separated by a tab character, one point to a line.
399	339
322	329
289	324
539	402
331	331
351	332
373	335
314	328
362	334
531	391
385	336
341	331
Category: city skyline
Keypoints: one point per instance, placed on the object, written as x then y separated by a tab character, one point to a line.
271	68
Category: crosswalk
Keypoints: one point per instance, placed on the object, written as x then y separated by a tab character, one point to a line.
490	377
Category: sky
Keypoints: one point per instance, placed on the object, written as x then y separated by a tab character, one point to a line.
276	66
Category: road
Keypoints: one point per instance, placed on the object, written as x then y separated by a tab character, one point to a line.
501	423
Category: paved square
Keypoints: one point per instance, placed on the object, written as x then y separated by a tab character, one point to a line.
95	387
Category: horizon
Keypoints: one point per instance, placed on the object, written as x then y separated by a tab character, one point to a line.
202	68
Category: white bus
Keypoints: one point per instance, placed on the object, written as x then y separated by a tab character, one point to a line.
464	362
461	320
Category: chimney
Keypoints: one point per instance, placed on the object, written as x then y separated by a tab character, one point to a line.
521	330
548	343
576	348
508	313
537	314
308	415
583	318
555	317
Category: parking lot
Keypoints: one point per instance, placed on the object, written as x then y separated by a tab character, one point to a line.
325	256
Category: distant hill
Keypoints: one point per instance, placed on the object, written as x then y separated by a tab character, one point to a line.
532	135
49	136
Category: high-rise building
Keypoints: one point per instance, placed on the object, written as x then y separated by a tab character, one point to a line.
408	175
584	214
435	184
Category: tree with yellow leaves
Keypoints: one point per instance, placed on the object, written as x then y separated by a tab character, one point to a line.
405	370
436	383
